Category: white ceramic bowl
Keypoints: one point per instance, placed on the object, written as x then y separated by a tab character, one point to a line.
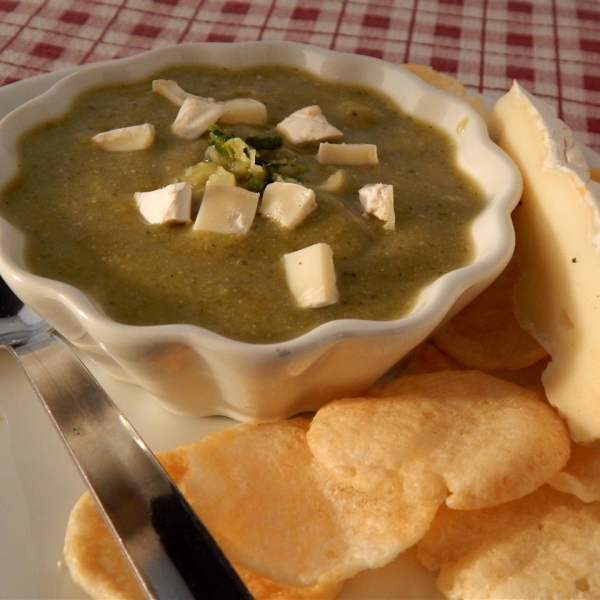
196	372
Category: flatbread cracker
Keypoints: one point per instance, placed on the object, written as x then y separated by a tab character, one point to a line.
448	83
581	475
486	334
289	529
428	358
97	565
486	440
272	508
545	545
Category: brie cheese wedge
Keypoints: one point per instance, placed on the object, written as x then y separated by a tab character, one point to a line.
558	250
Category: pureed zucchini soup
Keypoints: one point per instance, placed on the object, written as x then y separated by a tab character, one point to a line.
76	204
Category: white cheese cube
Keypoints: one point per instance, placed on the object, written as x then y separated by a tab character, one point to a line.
307	125
244	110
237	110
287	203
170	90
310	276
194	117
378	199
171	204
226	209
124	139
347	154
334	183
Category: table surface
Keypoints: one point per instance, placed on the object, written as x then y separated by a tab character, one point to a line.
552	47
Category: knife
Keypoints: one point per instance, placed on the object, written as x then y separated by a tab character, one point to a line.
170	551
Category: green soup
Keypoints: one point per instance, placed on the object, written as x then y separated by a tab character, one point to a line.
75	204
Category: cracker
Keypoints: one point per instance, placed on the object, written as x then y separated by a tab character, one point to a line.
486	334
486	440
274	510
581	475
545	545
97	565
448	83
427	358
289	529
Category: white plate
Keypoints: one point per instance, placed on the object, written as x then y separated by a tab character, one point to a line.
39	484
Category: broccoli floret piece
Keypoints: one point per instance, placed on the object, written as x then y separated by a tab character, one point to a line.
217	137
242	158
265	142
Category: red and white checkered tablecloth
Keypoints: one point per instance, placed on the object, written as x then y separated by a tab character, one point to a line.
551	46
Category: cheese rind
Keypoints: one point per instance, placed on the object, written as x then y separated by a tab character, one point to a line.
558	296
171	204
310	275
347	154
307	125
226	209
378	200
287	203
194	117
125	139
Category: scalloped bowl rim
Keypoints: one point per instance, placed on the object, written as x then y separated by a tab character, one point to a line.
432	301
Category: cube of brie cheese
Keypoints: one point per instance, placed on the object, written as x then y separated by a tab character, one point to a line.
347	154
244	110
378	200
171	204
307	125
287	203
237	110
170	90
125	139
226	209
194	117
310	275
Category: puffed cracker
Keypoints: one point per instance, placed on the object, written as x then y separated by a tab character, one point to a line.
427	358
545	545
448	83
581	474
486	334
289	529
272	508
97	565
486	440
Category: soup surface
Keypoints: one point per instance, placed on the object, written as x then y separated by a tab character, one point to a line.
76	205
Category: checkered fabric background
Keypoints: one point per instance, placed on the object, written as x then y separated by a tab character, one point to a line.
551	46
